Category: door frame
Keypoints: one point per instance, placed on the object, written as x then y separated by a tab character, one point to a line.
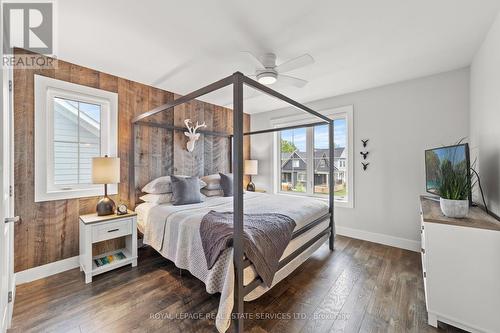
6	189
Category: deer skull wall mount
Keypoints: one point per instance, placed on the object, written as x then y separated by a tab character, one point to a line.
191	134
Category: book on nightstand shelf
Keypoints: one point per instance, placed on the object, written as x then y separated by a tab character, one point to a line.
109	259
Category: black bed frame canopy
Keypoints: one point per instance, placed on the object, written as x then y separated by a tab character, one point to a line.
237	80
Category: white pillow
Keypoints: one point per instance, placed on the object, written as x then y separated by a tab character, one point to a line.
163	185
212	181
212	193
157	198
162	198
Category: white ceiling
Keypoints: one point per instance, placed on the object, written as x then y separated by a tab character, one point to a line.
183	45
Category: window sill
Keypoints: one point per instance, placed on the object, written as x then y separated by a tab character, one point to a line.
41	196
336	203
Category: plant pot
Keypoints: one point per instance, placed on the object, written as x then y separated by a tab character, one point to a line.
454	208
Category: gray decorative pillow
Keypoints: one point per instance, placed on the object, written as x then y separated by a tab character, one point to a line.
185	190
226	182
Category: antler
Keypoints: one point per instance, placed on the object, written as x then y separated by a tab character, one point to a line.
198	126
190	128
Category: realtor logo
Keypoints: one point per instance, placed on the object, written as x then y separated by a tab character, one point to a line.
28	26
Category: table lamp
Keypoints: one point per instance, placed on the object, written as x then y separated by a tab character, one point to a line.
250	169
105	170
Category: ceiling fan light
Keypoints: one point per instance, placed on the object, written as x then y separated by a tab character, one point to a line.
266	79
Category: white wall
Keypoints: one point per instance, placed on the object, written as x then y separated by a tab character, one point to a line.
401	120
485	114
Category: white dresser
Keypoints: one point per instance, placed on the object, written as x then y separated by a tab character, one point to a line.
461	268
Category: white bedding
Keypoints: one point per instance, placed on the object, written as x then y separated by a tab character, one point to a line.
174	232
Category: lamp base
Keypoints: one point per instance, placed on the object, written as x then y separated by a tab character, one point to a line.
105	206
251	187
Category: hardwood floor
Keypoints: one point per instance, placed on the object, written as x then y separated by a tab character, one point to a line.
360	287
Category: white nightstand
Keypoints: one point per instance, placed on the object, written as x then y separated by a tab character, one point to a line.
95	229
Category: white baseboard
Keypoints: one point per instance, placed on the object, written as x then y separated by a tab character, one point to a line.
401	243
49	269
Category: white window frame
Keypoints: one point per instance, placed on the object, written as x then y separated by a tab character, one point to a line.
346	112
46	89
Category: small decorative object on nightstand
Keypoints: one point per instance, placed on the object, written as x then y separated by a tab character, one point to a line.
94	229
121	209
250	169
105	170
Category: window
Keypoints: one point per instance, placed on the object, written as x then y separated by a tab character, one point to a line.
305	161
293	154
73	123
77	138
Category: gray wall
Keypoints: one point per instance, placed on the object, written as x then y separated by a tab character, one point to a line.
401	120
485	114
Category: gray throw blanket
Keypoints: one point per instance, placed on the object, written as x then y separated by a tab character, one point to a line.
265	238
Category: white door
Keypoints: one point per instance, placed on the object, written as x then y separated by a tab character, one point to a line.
6	207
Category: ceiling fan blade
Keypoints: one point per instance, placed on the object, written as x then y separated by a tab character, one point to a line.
284	80
295	63
257	62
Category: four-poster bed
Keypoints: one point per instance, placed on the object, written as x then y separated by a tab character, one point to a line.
325	221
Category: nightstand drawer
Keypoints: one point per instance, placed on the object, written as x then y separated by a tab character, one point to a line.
111	230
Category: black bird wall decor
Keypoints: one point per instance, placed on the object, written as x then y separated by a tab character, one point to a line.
365	154
365	165
365	142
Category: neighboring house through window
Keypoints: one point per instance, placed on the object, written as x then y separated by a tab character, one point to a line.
73	124
303	165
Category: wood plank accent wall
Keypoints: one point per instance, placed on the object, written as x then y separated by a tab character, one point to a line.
211	152
162	152
48	231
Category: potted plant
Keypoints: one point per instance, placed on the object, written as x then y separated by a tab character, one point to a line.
454	188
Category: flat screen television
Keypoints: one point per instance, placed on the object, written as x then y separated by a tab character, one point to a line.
458	155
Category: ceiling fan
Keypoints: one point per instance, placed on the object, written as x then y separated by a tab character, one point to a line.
268	72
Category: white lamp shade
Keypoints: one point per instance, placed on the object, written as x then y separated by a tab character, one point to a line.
105	170
251	167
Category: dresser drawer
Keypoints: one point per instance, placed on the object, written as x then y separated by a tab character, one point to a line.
422	230
424	263
111	230
424	273
422	237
